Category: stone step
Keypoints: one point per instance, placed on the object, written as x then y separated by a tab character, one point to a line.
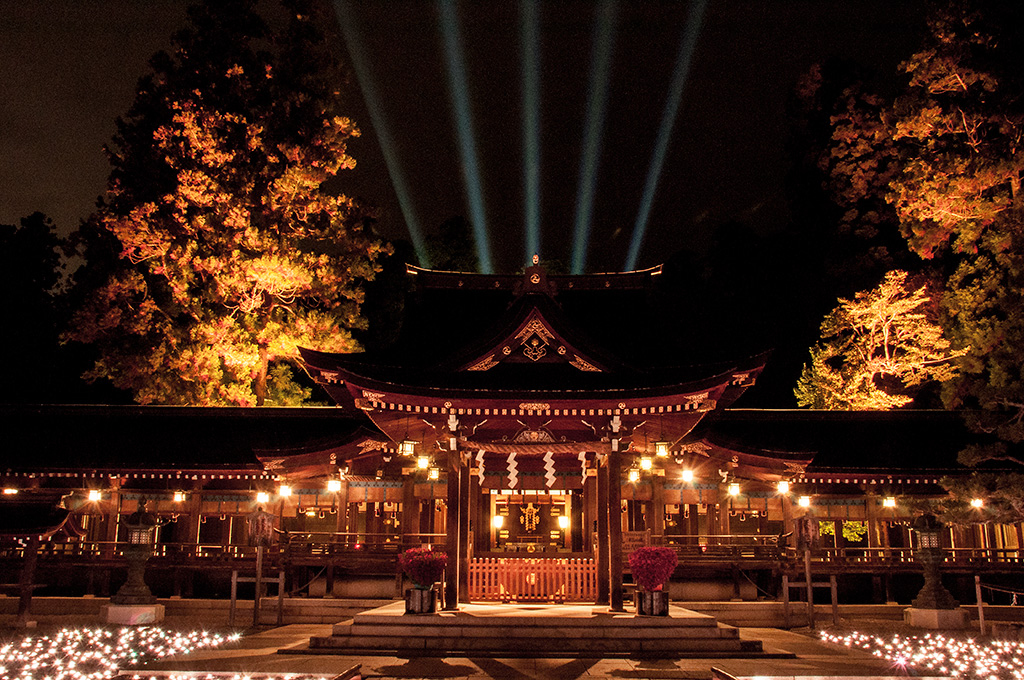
571	630
531	633
540	646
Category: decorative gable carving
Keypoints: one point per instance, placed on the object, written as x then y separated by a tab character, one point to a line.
535	341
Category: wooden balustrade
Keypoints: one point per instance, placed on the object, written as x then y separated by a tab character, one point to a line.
532	579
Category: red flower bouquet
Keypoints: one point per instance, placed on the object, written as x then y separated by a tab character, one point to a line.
652	566
423	566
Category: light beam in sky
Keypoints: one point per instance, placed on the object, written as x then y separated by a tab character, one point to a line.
675	95
530	45
361	65
458	87
597	103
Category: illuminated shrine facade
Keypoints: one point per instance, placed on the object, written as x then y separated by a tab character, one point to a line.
540	434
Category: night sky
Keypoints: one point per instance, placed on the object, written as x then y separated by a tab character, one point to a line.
68	69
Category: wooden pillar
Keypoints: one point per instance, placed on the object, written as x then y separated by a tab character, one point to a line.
658	506
479	519
25	585
464	532
113	514
693	523
590	514
341	516
451	530
602	533
410	513
871	518
788	527
615	521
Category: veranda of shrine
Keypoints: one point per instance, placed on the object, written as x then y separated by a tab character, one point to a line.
530	453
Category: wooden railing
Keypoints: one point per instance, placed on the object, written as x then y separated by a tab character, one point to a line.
540	579
691	549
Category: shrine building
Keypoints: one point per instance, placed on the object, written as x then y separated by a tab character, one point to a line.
531	428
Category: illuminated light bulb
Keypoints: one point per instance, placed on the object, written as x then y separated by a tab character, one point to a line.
782	486
734	489
498	521
284	491
262	497
563	522
94	494
423	462
10	492
634	475
334	485
977	503
179	496
311	512
804	502
646	463
687	475
889	502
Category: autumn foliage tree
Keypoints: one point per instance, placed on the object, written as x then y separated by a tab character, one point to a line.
215	251
947	156
876	351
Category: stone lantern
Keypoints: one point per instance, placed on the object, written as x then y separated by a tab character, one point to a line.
934	606
134	603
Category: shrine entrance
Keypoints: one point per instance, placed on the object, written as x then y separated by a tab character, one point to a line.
533	550
532	523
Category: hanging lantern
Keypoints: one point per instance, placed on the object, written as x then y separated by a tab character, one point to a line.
646	463
661	449
782	486
407	447
687	476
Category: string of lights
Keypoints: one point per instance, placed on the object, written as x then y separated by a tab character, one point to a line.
994	660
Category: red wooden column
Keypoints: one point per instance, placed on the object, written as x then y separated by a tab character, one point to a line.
341	521
658	505
410	513
615	520
602	532
464	535
451	530
453	520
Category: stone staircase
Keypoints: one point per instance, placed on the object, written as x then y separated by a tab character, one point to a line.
535	630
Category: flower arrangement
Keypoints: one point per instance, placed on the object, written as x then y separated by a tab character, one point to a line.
652	566
423	566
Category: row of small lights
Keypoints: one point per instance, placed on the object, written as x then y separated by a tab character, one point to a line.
423	463
782	486
92	654
996	660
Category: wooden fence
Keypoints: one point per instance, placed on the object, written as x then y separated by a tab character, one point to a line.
532	579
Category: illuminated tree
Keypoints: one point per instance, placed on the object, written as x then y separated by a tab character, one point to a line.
952	142
229	252
876	351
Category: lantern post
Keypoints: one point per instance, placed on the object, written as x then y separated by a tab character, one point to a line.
134	603
934	607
